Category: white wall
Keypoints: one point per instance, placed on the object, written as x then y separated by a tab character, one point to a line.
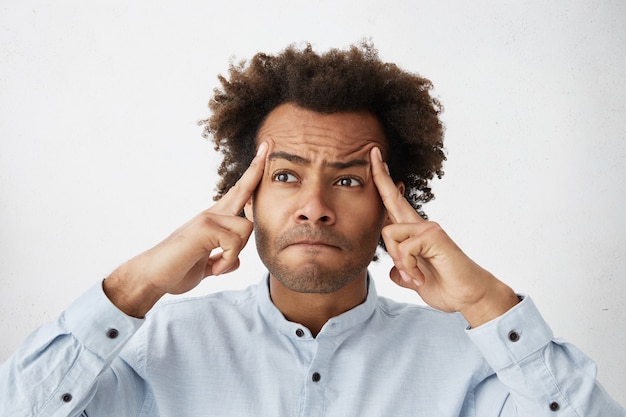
100	156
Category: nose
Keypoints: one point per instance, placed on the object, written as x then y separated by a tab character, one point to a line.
314	206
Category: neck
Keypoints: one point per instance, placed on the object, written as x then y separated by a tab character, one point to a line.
313	310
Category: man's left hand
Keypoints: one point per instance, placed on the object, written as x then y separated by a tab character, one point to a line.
429	262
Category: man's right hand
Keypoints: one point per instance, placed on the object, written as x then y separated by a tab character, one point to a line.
185	258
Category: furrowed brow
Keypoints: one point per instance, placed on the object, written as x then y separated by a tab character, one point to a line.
288	157
348	164
296	159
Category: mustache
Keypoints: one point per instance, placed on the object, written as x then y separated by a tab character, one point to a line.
306	232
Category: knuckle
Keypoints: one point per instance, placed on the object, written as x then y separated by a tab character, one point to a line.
434	229
434	225
207	218
386	232
236	188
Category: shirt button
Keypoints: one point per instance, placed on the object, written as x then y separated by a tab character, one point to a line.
554	406
66	397
112	333
514	336
299	332
316	377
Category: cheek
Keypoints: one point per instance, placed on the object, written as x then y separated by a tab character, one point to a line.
366	213
268	210
261	198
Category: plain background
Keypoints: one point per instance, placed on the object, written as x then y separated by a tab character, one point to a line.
101	156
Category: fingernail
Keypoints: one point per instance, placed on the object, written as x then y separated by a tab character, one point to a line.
379	155
229	270
386	168
405	276
261	149
226	271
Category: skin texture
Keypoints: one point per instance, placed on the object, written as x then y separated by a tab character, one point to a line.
320	195
186	257
318	241
427	261
335	81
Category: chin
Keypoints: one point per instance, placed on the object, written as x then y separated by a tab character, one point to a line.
314	278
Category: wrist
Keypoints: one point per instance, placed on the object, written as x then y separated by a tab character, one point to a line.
497	300
133	296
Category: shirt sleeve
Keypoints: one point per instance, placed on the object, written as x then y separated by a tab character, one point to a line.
544	376
57	369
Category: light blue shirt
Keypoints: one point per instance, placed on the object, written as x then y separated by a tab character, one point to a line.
234	354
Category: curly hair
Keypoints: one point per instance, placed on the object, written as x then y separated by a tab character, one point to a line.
336	81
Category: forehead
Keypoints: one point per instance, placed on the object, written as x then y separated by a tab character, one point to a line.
336	135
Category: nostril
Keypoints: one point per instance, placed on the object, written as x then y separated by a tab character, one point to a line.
323	219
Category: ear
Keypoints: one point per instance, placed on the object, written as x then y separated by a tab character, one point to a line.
249	210
400	187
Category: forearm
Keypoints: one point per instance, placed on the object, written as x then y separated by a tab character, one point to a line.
542	375
55	370
128	292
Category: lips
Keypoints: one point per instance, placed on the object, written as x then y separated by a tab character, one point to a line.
312	237
313	243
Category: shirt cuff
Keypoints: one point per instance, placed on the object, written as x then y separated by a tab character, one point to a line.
98	324
512	337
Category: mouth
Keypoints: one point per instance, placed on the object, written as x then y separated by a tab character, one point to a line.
313	239
313	244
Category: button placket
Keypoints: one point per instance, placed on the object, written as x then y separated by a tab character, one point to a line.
317	376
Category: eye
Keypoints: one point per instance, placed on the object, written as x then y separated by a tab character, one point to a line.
284	177
348	182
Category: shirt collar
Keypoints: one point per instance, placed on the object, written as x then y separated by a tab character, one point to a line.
333	327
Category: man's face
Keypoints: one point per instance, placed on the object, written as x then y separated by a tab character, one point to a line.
317	213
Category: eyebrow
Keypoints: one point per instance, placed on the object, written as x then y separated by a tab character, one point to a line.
296	159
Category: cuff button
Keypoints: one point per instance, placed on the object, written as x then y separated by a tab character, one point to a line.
514	336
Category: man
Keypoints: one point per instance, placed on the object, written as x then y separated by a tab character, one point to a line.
324	154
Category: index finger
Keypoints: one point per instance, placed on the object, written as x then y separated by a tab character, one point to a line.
236	198
398	208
